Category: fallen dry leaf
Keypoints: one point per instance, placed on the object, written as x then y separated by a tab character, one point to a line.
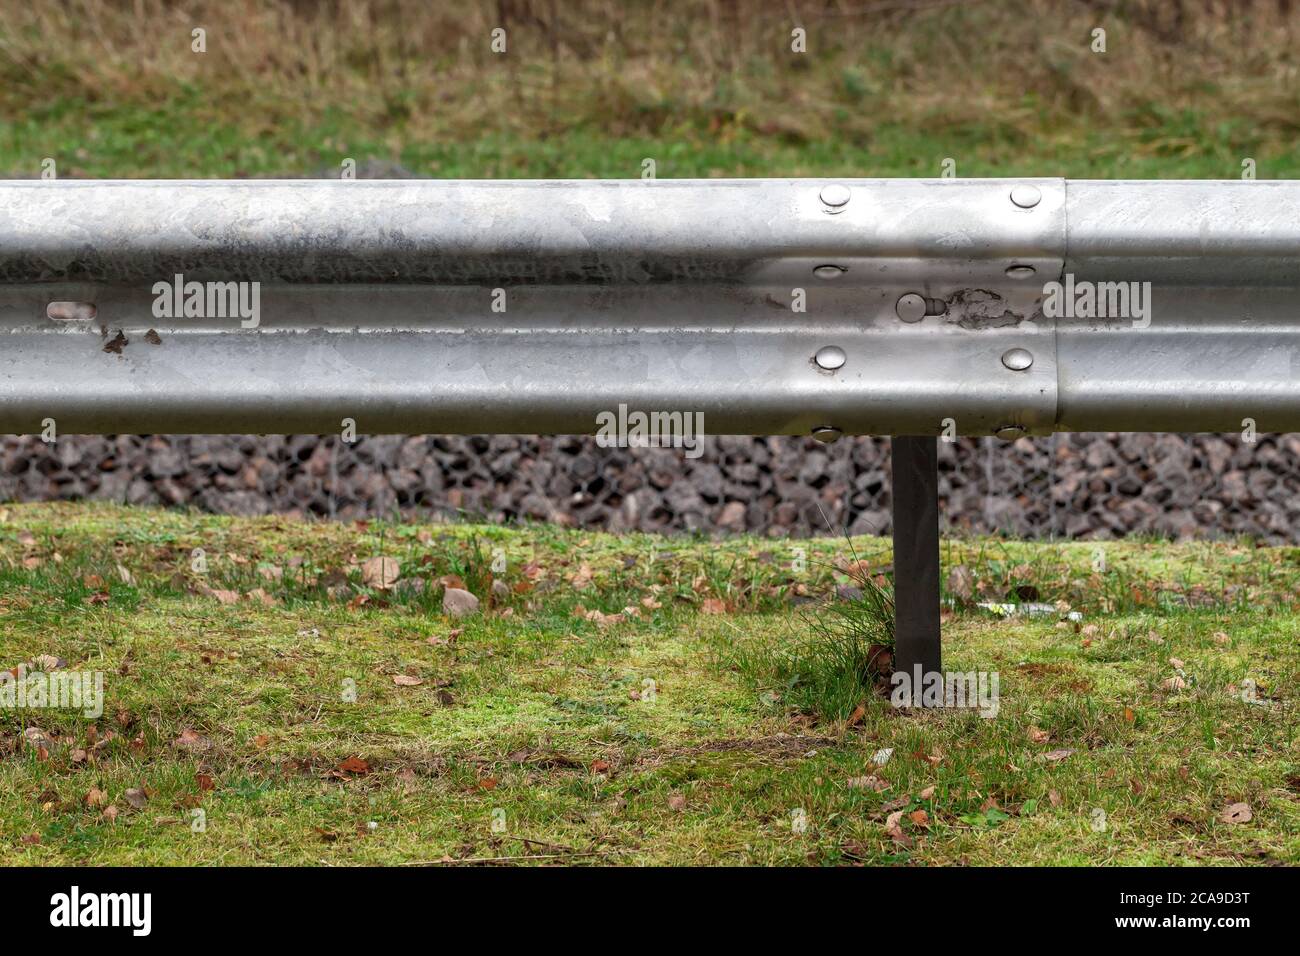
1057	755
869	782
355	765
1038	736
677	802
192	740
404	680
894	827
95	797
137	797
713	606
1173	683
380	573
927	793
1236	813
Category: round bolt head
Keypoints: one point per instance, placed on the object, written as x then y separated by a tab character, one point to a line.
826	434
911	307
1017	359
830	357
835	195
828	272
1010	432
1025	196
1020	272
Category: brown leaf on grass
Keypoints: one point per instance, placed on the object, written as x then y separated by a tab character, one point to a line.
192	740
30	839
219	595
855	718
582	578
1038	736
868	782
1236	813
650	604
1129	715
676	801
1221	639
713	606
1177	664
487	783
262	597
920	818
137	797
260	741
927	793
204	781
405	680
93	581
961	583
110	813
380	572
1173	683
95	797
355	765
1054	798
1055	756
894	827
599	766
99	597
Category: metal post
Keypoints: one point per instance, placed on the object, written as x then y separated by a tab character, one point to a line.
915	492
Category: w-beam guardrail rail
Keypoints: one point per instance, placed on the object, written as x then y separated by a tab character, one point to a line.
913	308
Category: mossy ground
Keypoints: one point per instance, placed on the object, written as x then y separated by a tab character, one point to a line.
539	733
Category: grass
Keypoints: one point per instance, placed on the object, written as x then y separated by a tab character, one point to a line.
555	726
591	88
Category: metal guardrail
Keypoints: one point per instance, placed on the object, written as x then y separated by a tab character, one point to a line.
899	307
919	307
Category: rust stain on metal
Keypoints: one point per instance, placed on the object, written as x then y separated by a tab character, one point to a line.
117	343
981	309
153	338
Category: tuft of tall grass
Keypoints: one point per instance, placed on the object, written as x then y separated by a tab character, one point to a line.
844	660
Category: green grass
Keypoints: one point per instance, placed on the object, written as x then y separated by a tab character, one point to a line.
636	739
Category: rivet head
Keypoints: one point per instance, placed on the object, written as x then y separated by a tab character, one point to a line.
70	311
835	195
911	307
1017	359
1010	432
1020	272
828	272
826	434
830	357
1025	196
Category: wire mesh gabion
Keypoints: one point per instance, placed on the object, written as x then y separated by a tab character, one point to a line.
1077	486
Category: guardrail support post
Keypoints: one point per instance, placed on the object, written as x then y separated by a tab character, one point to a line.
915	491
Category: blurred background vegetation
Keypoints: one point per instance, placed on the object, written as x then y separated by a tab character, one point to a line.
1185	88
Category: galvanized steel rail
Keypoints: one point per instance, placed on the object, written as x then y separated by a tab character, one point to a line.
917	307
